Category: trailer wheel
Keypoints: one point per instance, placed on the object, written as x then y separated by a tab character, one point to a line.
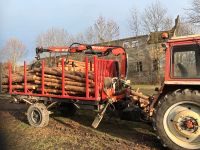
38	115
177	120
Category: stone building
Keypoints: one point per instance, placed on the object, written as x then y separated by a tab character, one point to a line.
140	58
146	57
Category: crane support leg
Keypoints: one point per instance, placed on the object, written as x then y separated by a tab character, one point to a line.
100	115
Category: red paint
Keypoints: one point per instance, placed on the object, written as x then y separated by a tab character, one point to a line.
63	77
102	68
43	77
189	124
56	96
169	79
25	78
82	47
86	77
96	78
10	78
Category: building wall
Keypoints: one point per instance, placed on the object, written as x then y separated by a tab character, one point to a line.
141	55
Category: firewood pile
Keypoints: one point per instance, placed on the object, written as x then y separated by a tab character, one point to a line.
74	79
74	65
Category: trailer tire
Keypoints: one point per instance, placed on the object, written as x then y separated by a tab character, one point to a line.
177	120
38	115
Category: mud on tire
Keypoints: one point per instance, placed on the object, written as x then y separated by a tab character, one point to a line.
172	116
38	115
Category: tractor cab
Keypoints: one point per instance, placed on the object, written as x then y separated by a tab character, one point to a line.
183	60
177	112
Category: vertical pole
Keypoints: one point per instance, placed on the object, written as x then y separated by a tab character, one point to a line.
10	78
95	78
25	78
86	77
0	77
42	76
63	77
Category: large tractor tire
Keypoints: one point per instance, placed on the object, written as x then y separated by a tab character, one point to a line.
177	120
38	115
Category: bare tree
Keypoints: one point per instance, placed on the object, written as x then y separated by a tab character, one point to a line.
168	23
134	22
112	30
105	30
154	18
100	29
185	28
193	12
13	51
90	35
53	37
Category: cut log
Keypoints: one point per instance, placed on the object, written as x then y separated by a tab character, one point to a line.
17	79
78	89
67	87
19	87
58	83
58	73
76	73
51	77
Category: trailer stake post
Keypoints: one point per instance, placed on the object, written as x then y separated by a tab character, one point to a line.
42	77
25	78
63	77
10	78
86	76
95	78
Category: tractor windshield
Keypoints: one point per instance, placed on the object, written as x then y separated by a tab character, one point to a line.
186	61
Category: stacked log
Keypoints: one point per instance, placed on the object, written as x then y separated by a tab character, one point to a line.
74	65
74	81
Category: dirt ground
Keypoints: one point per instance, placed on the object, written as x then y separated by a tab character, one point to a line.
72	133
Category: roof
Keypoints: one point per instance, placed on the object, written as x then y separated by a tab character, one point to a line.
122	39
184	37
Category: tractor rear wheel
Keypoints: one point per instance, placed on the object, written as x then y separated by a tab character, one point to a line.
38	115
177	120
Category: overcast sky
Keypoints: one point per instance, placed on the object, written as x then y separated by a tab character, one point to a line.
25	19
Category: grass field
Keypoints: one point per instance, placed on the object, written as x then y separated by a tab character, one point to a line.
75	132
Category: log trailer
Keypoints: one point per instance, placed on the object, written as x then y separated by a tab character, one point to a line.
174	111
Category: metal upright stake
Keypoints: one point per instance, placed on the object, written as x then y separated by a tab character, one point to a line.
63	77
42	77
25	78
10	78
86	77
95	78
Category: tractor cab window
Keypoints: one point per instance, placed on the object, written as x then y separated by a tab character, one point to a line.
186	61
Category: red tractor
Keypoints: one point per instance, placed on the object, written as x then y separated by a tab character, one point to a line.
174	111
176	115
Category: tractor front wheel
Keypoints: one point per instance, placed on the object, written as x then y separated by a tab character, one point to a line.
177	120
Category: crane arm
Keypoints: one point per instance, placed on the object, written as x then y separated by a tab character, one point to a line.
87	49
98	50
